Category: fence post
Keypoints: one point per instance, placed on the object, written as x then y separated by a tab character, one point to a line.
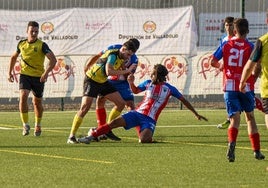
242	8
62	104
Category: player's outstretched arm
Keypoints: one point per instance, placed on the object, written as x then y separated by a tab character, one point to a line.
191	108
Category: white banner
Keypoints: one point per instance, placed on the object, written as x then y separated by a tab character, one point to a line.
192	76
87	31
211	27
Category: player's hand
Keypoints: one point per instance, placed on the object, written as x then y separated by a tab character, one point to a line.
199	117
242	87
130	78
11	78
132	68
43	78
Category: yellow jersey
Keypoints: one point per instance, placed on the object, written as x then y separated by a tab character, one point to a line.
98	73
32	57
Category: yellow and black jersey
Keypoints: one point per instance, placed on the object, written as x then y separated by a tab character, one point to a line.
32	57
98	73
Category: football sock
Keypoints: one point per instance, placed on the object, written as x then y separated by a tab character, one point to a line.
77	121
101	116
255	141
24	118
113	114
38	121
101	130
232	134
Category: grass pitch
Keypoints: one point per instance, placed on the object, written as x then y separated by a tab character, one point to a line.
188	153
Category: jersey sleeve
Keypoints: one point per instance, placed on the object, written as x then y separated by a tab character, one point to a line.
143	85
114	46
174	91
111	47
111	59
45	48
218	54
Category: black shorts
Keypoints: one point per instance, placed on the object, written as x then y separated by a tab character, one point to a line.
33	84
93	89
265	105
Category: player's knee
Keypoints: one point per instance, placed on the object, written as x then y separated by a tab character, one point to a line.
146	139
121	105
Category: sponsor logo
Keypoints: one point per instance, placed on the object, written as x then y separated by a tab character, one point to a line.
47	27
149	26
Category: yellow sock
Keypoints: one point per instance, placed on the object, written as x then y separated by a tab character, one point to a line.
113	114
24	118
76	124
38	121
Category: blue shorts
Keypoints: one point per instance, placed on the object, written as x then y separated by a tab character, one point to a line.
238	102
134	118
123	88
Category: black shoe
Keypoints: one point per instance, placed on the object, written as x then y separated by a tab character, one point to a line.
258	155
231	152
72	140
112	136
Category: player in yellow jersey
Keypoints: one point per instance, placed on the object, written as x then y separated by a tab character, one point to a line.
258	63
111	63
33	74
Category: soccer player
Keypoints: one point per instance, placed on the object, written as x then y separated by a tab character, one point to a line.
122	86
258	63
33	75
235	54
96	83
157	94
229	29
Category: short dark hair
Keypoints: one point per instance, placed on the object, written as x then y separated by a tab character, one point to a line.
229	19
241	25
136	42
33	24
132	44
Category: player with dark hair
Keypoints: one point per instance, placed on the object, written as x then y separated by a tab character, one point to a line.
96	83
157	94
33	75
235	54
122	86
229	33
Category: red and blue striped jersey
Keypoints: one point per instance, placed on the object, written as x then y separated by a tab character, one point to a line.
235	53
155	98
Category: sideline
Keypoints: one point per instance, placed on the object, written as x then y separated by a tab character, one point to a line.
55	156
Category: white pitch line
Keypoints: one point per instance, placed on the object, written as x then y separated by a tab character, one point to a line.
56	156
12	127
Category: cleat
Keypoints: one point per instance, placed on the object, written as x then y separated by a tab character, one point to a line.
112	136
99	138
86	139
72	140
37	131
258	155
90	131
102	137
26	130
224	125
231	152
